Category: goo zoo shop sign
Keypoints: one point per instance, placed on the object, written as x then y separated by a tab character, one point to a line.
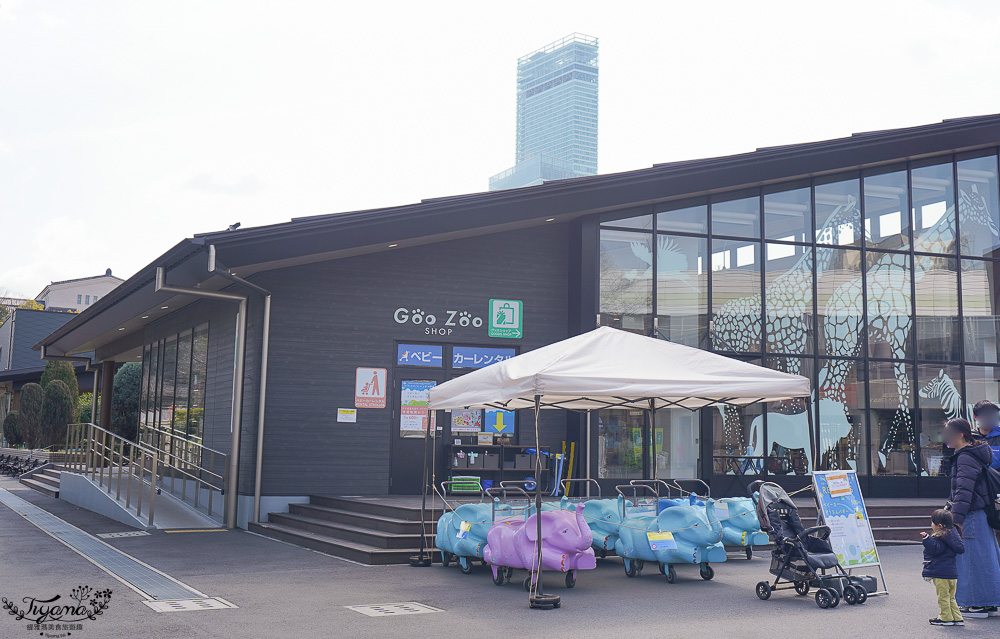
443	323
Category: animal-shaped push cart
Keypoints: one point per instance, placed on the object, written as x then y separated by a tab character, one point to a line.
512	541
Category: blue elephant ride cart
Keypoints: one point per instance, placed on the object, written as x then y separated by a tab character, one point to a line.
655	531
462	531
602	515
740	525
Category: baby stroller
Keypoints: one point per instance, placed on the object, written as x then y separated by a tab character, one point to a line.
801	556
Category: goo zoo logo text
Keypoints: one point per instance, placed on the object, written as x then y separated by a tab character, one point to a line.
434	324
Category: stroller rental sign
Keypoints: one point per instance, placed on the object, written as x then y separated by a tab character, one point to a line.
838	496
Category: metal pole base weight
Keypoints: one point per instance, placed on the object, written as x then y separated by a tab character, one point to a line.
544	601
420	561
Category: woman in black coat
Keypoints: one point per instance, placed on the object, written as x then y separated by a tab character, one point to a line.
978	592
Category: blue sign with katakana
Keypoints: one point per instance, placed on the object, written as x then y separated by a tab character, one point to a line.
473	357
419	355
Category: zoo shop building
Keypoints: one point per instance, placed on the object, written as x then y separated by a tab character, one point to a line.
868	264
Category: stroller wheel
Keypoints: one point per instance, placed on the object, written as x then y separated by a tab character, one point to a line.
851	595
862	594
501	574
764	590
570	580
671	574
823	598
631	569
707	572
749	552
836	598
802	587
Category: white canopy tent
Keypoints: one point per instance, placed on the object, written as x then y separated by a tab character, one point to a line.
610	368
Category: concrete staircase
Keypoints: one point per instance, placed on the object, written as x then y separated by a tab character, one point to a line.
366	531
45	481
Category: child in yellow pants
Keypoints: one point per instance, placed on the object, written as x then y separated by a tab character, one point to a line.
940	548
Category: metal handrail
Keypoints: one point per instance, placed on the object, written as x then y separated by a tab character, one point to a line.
193	455
186	440
90	449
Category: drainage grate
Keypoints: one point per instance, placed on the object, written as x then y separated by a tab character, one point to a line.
131	533
393	609
136	575
187	605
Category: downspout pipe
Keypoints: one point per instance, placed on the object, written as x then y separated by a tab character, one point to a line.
236	422
216	267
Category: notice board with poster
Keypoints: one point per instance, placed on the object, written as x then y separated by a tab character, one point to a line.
842	507
413	413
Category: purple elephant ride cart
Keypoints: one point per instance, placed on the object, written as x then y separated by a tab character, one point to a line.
512	543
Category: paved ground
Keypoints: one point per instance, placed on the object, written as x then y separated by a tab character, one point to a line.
285	591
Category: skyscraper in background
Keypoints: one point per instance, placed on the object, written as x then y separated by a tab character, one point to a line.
556	114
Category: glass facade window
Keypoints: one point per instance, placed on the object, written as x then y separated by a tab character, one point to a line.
788	216
838	213
979	207
842	398
691	219
939	399
887	213
641	222
738	439
933	202
682	288
890	387
937	329
626	272
737	218
887	286
788	298
869	281
174	371
980	293
620	446
676	438
736	316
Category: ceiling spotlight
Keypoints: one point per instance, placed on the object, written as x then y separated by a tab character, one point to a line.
164	307
122	328
551	219
145	317
393	245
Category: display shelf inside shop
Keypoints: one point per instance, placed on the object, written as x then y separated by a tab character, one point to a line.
494	459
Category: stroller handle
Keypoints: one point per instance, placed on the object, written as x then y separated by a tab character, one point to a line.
824	532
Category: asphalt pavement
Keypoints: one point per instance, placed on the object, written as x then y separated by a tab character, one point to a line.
282	590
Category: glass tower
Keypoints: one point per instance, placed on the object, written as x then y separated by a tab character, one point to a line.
556	114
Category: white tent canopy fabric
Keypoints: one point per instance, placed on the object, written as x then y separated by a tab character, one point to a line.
610	368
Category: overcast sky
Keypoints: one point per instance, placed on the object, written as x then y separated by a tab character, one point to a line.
127	126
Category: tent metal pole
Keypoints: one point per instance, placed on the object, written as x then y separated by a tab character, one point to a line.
652	434
588	453
536	596
813	439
